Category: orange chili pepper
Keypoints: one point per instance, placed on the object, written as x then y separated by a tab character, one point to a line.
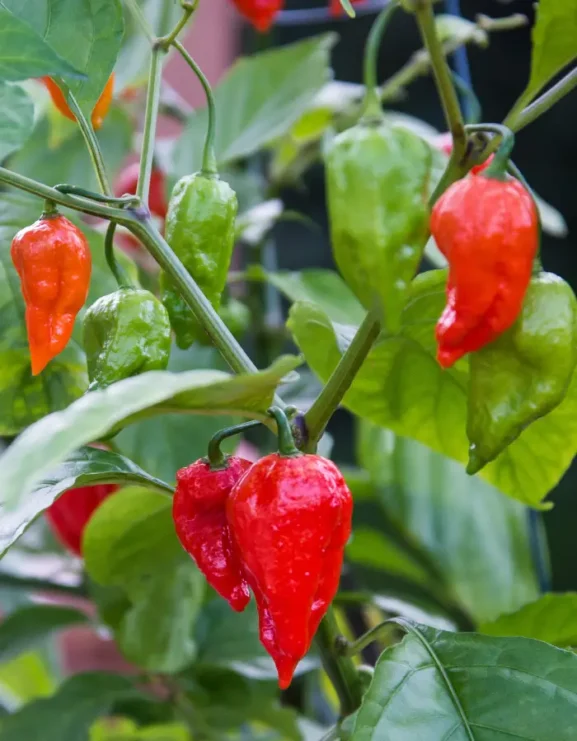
100	109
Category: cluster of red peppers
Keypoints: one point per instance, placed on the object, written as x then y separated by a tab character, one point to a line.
261	13
277	527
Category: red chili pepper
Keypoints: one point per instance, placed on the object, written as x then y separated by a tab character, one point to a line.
200	521
71	512
290	517
336	9
100	109
487	228
444	142
52	258
128	180
261	13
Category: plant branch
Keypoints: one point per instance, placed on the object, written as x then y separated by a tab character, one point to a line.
150	121
380	633
423	10
518	120
91	143
340	669
328	400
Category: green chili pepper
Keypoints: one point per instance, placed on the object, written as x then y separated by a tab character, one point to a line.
125	333
525	372
200	230
377	187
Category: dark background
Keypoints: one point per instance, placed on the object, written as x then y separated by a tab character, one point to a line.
546	152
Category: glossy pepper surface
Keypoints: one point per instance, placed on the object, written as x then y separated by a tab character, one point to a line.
200	228
377	190
52	258
261	13
290	518
125	333
525	372
71	512
487	228
100	109
199	513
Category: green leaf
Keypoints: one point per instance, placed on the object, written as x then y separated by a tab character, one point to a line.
131	543
71	711
402	387
435	685
124	729
23	52
554	48
258	100
84	467
86	33
50	441
16	118
230	639
481	529
552	618
24	628
25	678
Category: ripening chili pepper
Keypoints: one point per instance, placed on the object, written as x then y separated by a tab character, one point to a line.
261	13
71	512
125	333
200	520
52	258
525	373
128	180
336	9
100	109
487	228
200	228
290	518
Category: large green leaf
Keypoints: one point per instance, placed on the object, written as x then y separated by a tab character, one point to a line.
24	628
402	387
84	467
130	543
551	618
71	711
86	33
437	685
23	52
554	46
16	118
124	729
468	528
50	441
257	101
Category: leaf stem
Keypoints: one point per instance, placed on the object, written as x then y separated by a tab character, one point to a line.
517	120
372	98
208	155
91	143
328	400
150	121
423	10
378	633
340	669
116	269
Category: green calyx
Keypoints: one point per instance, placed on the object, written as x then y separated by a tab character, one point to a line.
125	333
286	442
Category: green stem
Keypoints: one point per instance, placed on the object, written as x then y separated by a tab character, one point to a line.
340	669
517	120
116	269
378	633
150	122
328	400
216	457
286	442
426	21
468	92
208	155
126	200
91	143
372	100
188	8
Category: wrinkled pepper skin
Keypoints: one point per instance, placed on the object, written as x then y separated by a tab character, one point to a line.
290	518
71	512
377	190
53	260
525	372
200	228
488	231
199	514
260	13
125	333
100	109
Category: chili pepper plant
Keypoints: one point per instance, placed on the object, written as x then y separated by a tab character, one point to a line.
173	485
